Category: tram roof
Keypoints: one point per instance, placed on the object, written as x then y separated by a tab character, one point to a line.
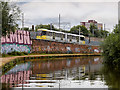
59	32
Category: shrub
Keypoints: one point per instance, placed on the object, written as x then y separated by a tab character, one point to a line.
111	48
14	53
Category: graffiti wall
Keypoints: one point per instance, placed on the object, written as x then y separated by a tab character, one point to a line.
21	41
18	41
58	47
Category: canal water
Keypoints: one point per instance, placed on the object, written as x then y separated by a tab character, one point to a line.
70	72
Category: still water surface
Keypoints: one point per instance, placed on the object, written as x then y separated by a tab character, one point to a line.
70	72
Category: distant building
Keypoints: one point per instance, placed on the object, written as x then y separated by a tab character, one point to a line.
90	22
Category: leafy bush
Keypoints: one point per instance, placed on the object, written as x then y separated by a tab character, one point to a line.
14	53
3	55
111	48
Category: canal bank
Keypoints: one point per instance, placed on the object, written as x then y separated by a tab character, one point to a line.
6	60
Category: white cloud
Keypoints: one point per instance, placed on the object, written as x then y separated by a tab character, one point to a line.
64	0
47	12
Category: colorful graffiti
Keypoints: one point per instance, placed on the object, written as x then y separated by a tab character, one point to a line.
58	47
18	41
19	37
6	48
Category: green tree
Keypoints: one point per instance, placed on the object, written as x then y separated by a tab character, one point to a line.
83	29
74	30
111	48
26	29
104	33
41	26
93	29
10	16
117	29
98	33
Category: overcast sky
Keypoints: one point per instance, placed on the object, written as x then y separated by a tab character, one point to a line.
44	12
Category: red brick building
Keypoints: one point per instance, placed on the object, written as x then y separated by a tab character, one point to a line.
90	22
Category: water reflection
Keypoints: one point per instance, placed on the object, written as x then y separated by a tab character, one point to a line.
73	72
111	76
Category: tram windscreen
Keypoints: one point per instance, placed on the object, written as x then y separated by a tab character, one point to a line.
43	32
82	38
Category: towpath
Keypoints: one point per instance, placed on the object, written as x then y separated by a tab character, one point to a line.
5	60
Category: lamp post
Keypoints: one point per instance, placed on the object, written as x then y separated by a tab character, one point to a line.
79	35
22	21
89	37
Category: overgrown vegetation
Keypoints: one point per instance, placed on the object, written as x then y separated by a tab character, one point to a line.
14	53
83	30
111	77
10	16
49	27
93	32
111	48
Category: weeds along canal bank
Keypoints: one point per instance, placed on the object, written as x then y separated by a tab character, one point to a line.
9	62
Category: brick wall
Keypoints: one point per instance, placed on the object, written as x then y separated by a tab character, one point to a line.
43	46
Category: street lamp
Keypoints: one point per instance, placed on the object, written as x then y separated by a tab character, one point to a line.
22	21
79	35
89	37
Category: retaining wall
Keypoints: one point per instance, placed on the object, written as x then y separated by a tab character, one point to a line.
44	46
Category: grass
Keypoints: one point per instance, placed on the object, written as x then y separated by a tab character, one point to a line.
14	53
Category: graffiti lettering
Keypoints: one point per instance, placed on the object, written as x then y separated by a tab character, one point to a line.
19	37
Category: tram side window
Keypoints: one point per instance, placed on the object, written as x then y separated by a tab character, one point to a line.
57	35
53	35
77	38
82	38
63	35
43	32
73	37
69	37
50	34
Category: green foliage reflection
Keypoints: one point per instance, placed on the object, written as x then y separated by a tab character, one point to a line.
111	77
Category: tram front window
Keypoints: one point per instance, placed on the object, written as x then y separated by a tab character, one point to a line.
82	38
43	32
